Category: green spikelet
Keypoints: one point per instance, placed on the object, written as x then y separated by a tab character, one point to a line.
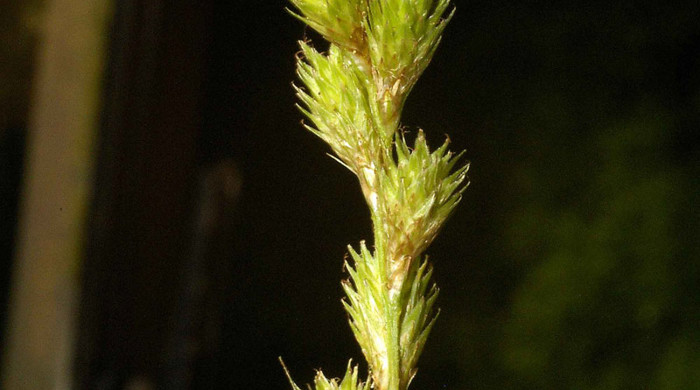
349	382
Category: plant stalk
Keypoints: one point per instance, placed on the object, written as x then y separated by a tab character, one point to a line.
354	94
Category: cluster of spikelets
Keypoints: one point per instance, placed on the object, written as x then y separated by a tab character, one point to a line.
369	307
353	95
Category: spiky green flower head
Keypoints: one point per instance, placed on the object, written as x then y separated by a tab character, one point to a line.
392	359
349	382
416	196
338	100
402	36
339	21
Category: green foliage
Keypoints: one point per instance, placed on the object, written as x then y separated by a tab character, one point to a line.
599	303
353	96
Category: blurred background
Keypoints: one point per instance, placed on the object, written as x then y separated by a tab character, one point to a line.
166	223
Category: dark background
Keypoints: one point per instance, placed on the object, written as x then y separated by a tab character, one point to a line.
219	225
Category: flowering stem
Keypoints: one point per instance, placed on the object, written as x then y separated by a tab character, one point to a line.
353	95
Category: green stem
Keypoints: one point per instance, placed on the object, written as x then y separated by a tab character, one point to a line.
393	310
393	353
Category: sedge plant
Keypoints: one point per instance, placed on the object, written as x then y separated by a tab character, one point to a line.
352	96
